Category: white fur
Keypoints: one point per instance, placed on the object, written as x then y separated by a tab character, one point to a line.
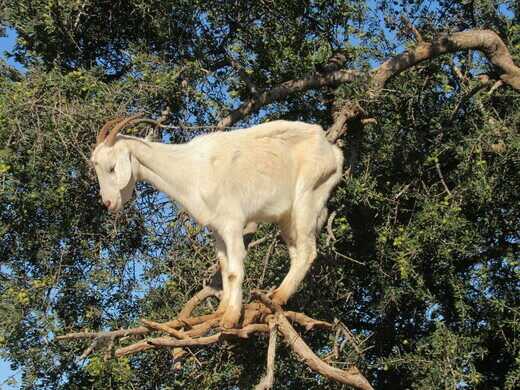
280	172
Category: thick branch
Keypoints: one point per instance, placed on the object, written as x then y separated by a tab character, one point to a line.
351	376
202	329
486	41
349	111
163	328
315	81
195	300
165	342
198	327
140	330
247	330
306	321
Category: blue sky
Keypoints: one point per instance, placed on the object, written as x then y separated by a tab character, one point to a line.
7	44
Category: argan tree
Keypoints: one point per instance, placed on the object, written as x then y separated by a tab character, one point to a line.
417	278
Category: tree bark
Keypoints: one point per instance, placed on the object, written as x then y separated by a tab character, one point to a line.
486	41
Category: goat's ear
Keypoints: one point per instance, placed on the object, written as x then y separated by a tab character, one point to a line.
123	170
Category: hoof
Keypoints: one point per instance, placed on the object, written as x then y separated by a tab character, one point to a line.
221	309
279	297
230	320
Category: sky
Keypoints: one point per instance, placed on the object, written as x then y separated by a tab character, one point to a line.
7	44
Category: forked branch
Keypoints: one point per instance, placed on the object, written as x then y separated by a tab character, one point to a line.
187	331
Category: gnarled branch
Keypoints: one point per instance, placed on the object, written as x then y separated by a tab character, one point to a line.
285	89
486	41
196	332
351	376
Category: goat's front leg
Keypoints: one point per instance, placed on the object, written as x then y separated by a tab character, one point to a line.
236	253
220	247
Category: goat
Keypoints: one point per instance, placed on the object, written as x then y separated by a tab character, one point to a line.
278	172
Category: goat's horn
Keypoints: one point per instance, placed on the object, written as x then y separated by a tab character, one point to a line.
111	137
106	127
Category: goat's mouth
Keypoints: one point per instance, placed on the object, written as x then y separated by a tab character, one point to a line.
112	206
115	207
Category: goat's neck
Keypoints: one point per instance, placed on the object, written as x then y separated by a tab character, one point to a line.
166	167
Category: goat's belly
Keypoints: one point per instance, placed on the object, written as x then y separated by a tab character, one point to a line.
268	215
267	206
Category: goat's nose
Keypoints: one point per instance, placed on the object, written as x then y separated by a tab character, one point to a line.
107	204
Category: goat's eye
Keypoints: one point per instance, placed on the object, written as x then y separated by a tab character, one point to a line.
111	170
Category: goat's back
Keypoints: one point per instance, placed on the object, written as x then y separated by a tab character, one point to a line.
261	167
292	132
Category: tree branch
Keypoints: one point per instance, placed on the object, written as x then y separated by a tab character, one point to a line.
195	300
351	376
349	111
268	380
163	328
271	318
243	76
486	41
315	81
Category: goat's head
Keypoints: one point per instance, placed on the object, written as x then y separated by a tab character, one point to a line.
115	167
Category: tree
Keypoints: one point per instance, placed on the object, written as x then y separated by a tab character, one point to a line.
420	256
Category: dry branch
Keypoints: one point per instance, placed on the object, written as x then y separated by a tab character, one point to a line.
306	321
247	330
267	318
268	380
163	328
198	298
352	376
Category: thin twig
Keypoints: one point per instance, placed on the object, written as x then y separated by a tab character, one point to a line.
330	233
439	172
266	261
252	244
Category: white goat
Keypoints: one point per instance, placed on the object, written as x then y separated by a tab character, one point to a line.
278	172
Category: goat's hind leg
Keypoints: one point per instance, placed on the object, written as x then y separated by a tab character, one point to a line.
302	247
308	217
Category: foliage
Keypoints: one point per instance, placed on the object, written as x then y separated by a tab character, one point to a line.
424	266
